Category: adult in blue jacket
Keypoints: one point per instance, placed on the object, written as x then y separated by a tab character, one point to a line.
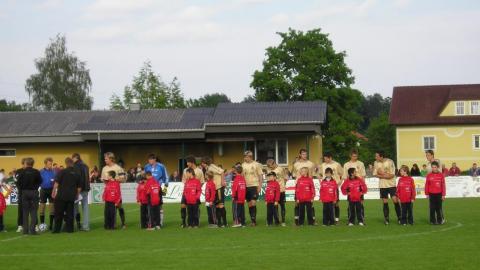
48	179
159	172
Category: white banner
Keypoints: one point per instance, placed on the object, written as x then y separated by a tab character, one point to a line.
457	187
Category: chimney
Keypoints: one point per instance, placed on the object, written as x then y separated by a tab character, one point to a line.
134	105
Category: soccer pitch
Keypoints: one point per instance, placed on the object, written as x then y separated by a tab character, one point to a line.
454	245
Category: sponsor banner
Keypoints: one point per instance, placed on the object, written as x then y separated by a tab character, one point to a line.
457	187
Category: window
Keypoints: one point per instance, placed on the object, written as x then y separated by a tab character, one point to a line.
476	142
8	152
269	149
459	108
429	143
475	107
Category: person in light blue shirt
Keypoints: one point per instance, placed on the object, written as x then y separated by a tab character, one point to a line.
48	174
159	172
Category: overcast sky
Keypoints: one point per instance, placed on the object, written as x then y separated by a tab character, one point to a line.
215	46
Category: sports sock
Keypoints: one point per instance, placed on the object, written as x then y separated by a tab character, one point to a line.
42	219
224	216
218	212
183	214
397	210
77	218
296	210
386	211
121	211
161	217
337	211
313	213
51	221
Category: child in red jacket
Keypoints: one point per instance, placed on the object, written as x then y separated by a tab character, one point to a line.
5	191
192	191
210	191
239	192
305	193
143	201
354	187
112	196
154	197
406	194
272	197
328	196
435	190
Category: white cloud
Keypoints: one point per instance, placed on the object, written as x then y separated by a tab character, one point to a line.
402	3
50	4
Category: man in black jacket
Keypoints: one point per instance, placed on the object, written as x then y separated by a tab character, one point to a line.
65	191
83	171
28	183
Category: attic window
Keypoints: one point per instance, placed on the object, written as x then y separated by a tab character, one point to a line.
475	107
460	108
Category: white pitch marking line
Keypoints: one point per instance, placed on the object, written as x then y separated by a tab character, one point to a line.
82	253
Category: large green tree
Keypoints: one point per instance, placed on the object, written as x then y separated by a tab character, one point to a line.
305	66
372	107
12	106
208	100
381	137
150	91
62	81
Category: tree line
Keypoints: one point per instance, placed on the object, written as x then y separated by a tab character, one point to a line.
304	66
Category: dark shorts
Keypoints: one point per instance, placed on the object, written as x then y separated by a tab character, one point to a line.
384	192
220	196
252	194
282	197
46	195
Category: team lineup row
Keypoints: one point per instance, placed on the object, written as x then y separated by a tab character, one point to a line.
70	187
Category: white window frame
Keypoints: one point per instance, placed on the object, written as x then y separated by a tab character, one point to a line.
457	103
276	150
9	149
434	142
476	102
473	142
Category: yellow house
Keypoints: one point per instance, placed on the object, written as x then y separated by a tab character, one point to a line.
270	129
443	118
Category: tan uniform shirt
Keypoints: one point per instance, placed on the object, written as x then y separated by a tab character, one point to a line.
198	174
359	167
297	166
386	166
336	168
217	175
117	169
252	171
281	177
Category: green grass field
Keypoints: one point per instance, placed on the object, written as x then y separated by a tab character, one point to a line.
454	245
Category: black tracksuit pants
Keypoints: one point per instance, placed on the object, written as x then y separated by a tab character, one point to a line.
302	207
110	214
30	201
144	216
329	213
272	214
193	219
63	211
154	215
407	213
436	210
355	212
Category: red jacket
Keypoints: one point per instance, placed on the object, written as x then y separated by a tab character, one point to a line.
3	204
239	189
142	193
272	192
210	191
406	191
192	190
454	171
435	184
154	192
328	191
354	188
112	192
305	189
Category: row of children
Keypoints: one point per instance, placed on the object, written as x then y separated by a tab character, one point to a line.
149	195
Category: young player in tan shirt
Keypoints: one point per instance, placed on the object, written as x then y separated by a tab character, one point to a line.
384	169
303	162
253	173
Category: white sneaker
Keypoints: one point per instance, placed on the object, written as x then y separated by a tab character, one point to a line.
157	227
337	219
361	224
20	229
37	229
284	224
236	225
350	224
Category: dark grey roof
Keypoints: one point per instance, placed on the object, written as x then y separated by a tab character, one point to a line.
269	113
75	123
